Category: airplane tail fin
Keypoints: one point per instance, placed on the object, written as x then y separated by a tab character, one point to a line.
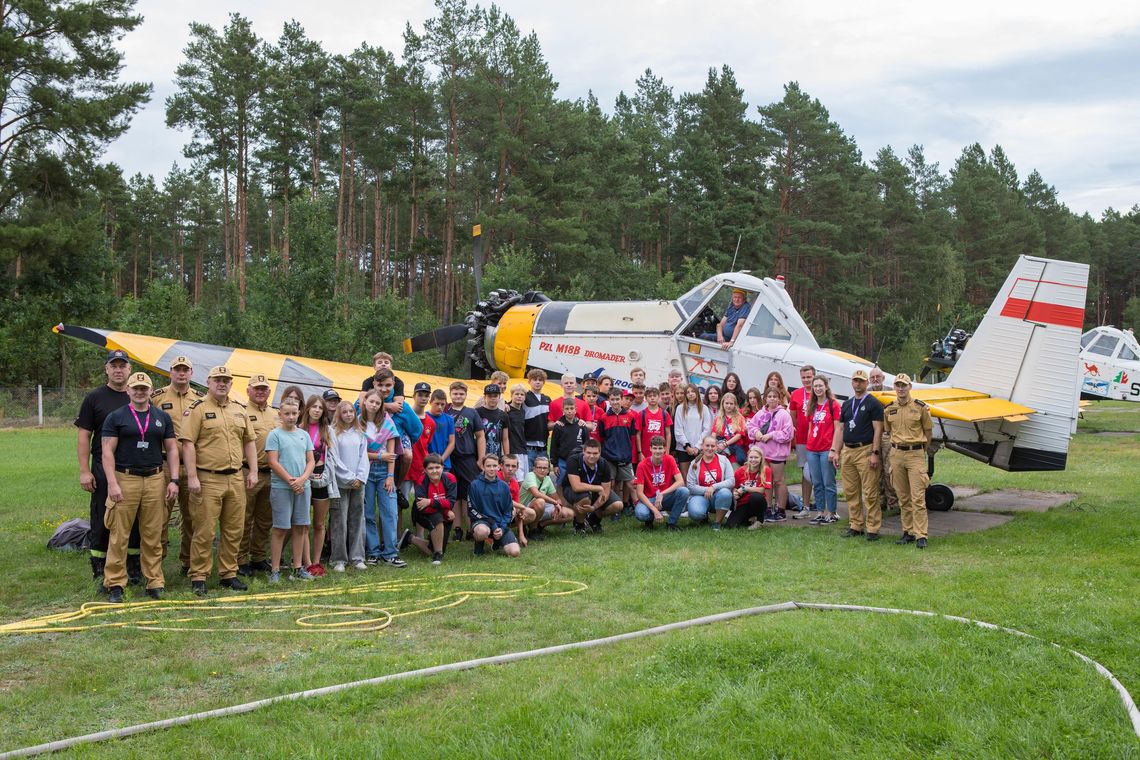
1026	350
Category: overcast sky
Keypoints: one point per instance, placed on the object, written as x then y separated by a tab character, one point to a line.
1057	85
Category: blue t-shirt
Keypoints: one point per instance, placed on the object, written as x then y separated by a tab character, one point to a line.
732	315
444	429
291	446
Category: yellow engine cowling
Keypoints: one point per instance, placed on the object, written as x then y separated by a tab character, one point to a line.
508	344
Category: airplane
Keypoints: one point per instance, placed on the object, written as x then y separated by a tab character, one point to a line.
1110	365
1010	401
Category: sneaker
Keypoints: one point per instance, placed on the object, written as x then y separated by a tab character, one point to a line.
684	514
480	547
393	562
852	532
233	584
359	565
316	570
920	543
716	526
156	593
372	560
338	567
198	587
672	527
115	594
261	566
779	516
819	519
829	518
580	529
437	558
301	574
801	513
756	525
594	522
274	577
457	534
405	540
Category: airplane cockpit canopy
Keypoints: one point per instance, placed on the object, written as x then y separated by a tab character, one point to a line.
1111	343
772	317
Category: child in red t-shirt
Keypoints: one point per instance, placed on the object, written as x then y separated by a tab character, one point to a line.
753	490
653	420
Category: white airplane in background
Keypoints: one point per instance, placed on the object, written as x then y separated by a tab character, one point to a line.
1110	365
1011	400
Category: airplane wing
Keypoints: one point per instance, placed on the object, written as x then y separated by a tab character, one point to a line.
313	376
964	405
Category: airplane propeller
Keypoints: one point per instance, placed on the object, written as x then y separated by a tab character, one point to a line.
437	338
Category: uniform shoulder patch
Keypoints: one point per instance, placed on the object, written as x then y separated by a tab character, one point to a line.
920	402
198	393
157	393
238	403
191	407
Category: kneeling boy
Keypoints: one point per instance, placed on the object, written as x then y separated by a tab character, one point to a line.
490	509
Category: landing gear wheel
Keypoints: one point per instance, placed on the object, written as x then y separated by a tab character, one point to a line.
939	497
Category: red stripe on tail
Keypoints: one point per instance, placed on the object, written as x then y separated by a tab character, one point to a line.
1048	313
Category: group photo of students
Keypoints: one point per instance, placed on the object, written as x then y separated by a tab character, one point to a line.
324	484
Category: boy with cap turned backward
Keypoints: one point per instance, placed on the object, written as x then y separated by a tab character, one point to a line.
175	399
907	421
135	437
495	421
93	412
254	551
216	438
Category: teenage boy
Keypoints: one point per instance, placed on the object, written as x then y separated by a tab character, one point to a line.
420	447
383	361
588	381
490	510
524	515
592	415
653	421
637	376
536	406
586	488
659	487
495	421
638	402
500	379
568	436
619	444
798	408
470	448
540	494
568	383
432	508
134	439
290	453
443	440
516	428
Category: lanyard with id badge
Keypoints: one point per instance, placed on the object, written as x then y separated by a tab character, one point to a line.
143	443
854	412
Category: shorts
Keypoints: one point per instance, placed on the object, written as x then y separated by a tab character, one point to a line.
548	511
427	520
572	497
321	492
465	470
508	535
623	471
681	456
801	458
289	509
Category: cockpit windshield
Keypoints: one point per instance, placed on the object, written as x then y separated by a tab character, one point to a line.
691	301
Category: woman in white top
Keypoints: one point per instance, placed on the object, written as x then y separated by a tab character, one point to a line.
692	421
710	481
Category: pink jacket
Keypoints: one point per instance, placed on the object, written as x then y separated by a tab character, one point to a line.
778	447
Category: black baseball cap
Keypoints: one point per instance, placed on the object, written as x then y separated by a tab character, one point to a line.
116	355
492	390
421	388
331	395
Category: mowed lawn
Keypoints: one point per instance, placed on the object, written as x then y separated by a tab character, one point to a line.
795	684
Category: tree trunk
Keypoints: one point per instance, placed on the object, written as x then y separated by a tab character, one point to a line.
376	242
340	214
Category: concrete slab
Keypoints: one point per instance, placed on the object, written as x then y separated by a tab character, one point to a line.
1012	500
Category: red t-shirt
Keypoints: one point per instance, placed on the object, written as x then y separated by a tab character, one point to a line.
556	409
656	478
651	424
420	449
821	427
593	415
708	473
745	478
513	485
800	399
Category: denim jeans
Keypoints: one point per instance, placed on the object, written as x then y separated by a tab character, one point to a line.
699	506
823	480
378	502
672	505
346	525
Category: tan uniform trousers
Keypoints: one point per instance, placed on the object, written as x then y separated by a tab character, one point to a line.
861	487
258	522
185	521
144	499
888	499
908	473
222	500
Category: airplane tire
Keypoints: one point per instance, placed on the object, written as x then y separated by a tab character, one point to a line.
939	497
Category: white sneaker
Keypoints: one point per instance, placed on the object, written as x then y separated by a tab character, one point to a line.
756	525
359	565
338	567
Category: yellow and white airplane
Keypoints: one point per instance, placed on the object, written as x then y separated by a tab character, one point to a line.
1010	401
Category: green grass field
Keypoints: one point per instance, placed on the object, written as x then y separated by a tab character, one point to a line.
797	684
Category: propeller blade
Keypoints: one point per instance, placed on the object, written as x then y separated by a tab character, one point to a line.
435	338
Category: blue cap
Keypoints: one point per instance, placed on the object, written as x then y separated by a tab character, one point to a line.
116	355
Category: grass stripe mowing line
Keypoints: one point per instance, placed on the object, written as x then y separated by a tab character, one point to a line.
119	733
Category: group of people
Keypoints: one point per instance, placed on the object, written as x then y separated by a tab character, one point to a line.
332	478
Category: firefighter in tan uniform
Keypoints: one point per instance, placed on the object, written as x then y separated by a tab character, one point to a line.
888	499
907	422
139	440
216	438
258	514
175	399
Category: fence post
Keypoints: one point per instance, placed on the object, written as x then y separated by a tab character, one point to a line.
40	404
